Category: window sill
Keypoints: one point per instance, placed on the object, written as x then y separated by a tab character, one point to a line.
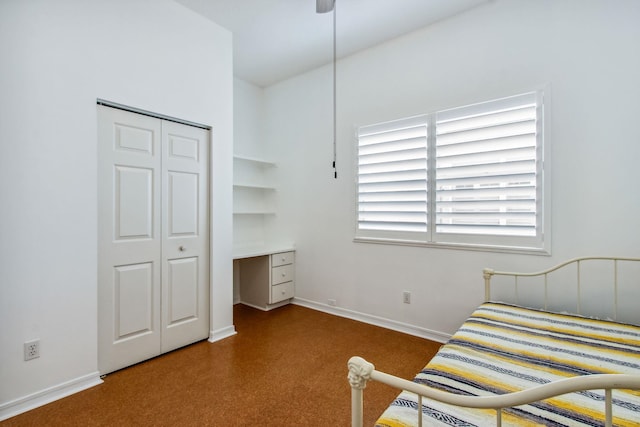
456	246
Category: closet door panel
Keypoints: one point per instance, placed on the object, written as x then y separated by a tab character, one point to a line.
183	204
129	238
133	199
133	288
183	291
185	248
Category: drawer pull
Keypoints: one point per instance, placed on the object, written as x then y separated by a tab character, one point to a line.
284	274
283	259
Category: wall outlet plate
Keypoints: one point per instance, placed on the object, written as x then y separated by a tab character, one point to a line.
31	349
406	297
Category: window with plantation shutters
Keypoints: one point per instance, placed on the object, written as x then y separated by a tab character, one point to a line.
392	177
470	176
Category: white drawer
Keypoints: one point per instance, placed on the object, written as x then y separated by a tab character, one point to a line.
282	258
281	274
281	292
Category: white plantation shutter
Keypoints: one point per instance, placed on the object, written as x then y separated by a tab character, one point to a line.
486	168
481	187
392	177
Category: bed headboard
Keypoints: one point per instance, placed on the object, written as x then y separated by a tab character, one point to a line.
604	271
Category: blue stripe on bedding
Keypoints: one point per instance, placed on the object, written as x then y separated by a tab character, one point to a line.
432	382
564	336
599	397
602	325
491	366
560	336
432	413
519	357
503	348
565	350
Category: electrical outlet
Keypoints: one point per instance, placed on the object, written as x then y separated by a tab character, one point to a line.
406	297
31	349
332	302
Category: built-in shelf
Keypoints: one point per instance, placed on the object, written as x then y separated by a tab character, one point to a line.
254	186
253	192
254	213
255	160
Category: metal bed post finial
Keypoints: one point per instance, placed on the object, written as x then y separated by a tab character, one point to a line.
487	273
359	373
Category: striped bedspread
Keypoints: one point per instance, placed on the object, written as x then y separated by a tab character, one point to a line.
503	348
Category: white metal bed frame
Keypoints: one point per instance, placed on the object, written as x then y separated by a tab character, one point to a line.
361	371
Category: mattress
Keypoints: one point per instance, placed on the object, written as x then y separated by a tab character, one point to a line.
503	348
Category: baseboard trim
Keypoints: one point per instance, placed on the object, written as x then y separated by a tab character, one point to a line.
268	307
222	333
375	320
48	395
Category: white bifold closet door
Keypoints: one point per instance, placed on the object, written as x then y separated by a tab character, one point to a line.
153	243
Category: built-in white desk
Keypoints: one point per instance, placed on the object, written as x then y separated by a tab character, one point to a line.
266	276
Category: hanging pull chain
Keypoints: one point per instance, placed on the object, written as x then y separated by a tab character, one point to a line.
335	170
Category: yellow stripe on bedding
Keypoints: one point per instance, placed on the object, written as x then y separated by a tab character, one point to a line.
571	332
577	327
567	402
396	416
560	345
545	373
596	414
472	376
568	360
543	316
503	361
389	422
481	417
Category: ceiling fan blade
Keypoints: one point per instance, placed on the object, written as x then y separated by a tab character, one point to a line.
324	6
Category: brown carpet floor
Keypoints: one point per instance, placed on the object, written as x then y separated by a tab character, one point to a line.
286	367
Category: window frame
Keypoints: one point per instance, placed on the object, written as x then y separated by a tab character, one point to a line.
540	244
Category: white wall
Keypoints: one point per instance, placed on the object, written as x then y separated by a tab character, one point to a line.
585	51
248	120
58	57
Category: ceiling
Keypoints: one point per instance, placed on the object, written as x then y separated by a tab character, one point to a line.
277	39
